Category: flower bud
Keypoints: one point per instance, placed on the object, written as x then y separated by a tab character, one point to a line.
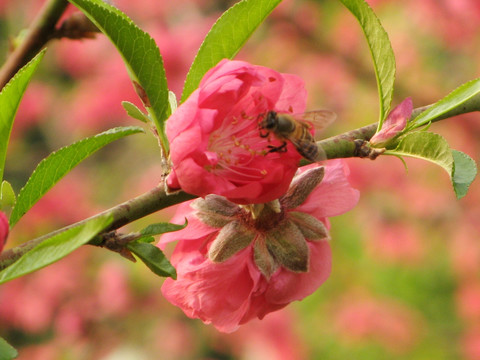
394	123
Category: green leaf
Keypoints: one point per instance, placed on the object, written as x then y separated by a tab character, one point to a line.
427	146
172	99
51	169
146	239
464	172
381	50
55	248
161	228
7	196
7	352
226	38
140	54
455	99
154	258
10	97
134	111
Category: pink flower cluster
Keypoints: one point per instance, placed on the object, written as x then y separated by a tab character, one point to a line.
257	240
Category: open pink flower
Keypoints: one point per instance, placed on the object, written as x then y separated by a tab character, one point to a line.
394	123
215	143
4	227
233	267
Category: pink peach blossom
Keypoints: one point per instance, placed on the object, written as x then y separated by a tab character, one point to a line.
215	142
4	228
230	285
394	123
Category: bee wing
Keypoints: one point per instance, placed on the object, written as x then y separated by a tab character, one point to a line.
320	119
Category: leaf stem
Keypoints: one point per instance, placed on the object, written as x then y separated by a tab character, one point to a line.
39	33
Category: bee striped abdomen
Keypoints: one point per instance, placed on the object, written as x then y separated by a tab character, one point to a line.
309	151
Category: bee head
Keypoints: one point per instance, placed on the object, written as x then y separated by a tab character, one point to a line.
270	121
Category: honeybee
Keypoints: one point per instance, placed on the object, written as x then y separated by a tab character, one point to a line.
296	129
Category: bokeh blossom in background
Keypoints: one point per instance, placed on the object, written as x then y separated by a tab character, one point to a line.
405	263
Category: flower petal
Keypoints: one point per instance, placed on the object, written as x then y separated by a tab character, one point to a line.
286	286
215	293
334	195
193	231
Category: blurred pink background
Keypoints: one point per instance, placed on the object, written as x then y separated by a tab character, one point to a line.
406	261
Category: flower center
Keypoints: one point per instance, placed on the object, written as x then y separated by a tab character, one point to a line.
237	144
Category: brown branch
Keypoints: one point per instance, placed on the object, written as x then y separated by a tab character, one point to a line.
125	213
39	33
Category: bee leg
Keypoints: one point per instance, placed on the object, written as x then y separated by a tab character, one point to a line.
281	149
265	134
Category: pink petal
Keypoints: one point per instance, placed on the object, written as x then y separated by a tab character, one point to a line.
197	180
193	231
216	293
286	286
183	117
294	95
334	195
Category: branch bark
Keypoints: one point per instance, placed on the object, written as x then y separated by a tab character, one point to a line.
124	213
39	33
